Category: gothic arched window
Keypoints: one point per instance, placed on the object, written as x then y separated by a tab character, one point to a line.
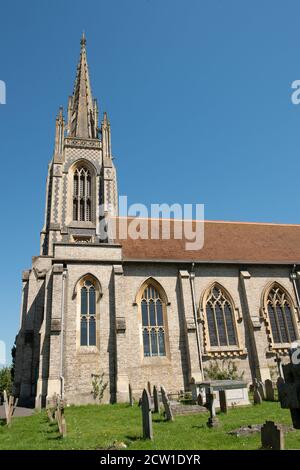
220	318
279	308
88	314
82	195
153	311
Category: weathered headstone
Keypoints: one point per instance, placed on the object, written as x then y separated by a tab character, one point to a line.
130	395
279	365
149	388
223	401
60	417
147	416
257	398
269	390
272	436
258	385
200	400
155	400
257	394
166	403
212	420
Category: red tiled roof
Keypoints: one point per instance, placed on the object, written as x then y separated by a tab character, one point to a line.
223	242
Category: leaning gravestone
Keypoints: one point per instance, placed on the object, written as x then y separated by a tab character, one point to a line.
147	416
130	395
223	401
166	403
212	420
269	390
155	400
257	396
272	436
260	387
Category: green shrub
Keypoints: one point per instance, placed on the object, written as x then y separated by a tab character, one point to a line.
98	386
225	370
6	382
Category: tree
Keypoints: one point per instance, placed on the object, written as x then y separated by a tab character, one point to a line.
6	382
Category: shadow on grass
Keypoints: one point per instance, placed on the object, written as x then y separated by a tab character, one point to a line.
200	426
134	438
2	422
159	419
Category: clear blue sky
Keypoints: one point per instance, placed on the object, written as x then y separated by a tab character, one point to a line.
198	94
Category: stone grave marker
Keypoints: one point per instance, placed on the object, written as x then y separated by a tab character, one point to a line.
260	387
272	437
279	365
257	397
269	390
149	388
130	395
155	399
212	420
166	403
223	401
146	416
200	400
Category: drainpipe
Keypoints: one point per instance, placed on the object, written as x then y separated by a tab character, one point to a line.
192	282
293	277
62	326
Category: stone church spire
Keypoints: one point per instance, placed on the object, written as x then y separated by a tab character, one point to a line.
83	111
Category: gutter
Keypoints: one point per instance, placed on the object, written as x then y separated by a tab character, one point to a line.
192	282
293	277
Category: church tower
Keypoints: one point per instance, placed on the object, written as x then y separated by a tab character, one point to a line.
81	182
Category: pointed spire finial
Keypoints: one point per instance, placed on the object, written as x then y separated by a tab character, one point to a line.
83	39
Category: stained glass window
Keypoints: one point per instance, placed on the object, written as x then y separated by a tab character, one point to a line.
280	316
220	319
153	322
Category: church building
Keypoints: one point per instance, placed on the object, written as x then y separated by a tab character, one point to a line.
139	310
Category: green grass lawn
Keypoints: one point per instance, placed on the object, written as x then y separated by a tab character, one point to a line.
97	427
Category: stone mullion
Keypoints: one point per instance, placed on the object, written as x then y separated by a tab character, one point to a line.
277	321
282	306
216	323
225	324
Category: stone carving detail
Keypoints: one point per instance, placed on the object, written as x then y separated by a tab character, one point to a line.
83	143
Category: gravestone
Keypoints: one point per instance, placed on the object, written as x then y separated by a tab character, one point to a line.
149	388
146	416
200	400
223	401
166	403
260	387
272	436
156	400
269	390
257	395
279	365
212	420
130	395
